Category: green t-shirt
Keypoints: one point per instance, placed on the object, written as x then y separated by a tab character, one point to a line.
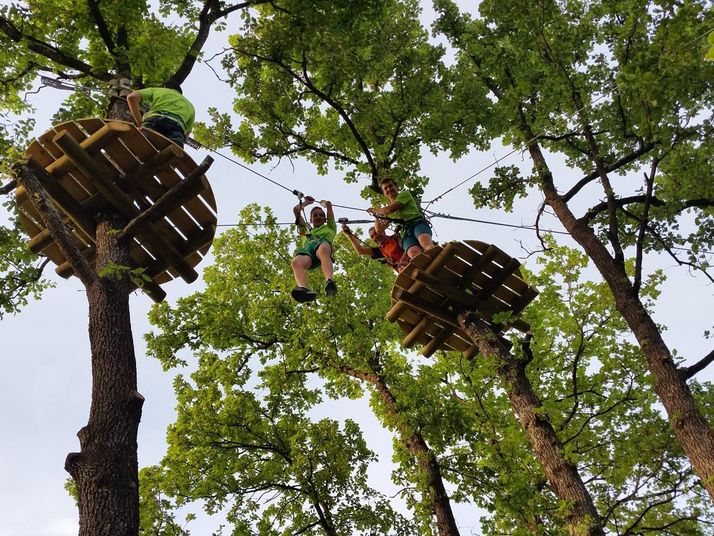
326	231
161	99
410	210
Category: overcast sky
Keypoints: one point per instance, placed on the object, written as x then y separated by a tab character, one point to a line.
45	385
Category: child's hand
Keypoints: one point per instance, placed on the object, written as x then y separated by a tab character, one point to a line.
346	229
325	203
309	200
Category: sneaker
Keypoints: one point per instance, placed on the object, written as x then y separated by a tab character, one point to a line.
303	294
330	288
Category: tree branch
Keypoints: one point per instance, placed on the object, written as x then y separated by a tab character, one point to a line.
608	169
101	26
51	52
52	220
9	187
210	13
688	372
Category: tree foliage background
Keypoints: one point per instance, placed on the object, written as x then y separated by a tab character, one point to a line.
358	90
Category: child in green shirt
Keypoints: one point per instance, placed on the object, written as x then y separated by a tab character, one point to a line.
416	231
315	249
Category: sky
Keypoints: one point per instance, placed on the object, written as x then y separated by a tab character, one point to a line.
45	385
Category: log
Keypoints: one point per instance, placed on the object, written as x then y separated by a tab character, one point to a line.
186	189
416	332
434	344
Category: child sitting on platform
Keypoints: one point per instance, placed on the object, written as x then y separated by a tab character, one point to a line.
315	249
415	230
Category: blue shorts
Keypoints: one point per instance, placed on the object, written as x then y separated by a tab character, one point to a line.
168	128
412	231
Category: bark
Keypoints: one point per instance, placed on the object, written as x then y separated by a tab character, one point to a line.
690	427
415	443
562	475
106	468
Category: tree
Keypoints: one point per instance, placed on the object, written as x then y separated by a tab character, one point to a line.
455	408
345	85
247	296
92	43
617	90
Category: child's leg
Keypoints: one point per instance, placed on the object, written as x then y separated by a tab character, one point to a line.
300	264
324	252
413	251
423	233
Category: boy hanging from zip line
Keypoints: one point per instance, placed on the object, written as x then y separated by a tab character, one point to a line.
315	249
388	251
415	230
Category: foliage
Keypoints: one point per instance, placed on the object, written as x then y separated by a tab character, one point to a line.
20	273
617	89
349	85
310	356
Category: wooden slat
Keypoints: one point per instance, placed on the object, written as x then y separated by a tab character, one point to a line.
440	257
416	333
477	277
143	148
124	204
435	343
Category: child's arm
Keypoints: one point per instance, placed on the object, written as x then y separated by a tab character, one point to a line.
385	211
330	213
359	248
297	210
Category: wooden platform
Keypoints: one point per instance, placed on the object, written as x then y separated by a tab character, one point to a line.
461	276
136	168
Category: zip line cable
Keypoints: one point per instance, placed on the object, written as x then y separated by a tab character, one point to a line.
58	84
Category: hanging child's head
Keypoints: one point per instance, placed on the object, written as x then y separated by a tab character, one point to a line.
317	216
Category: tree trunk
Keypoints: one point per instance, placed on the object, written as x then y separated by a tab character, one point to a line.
106	468
563	476
415	443
691	428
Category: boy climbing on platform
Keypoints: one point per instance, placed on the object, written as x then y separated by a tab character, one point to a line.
170	113
415	230
315	249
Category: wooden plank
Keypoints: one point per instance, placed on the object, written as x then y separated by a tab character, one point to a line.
184	165
436	342
416	333
74	179
143	148
65	202
457	342
471	352
65	270
124	204
418	303
439	259
92	144
38	153
499	277
175	196
149	188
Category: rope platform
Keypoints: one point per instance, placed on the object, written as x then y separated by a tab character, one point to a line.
89	165
437	285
